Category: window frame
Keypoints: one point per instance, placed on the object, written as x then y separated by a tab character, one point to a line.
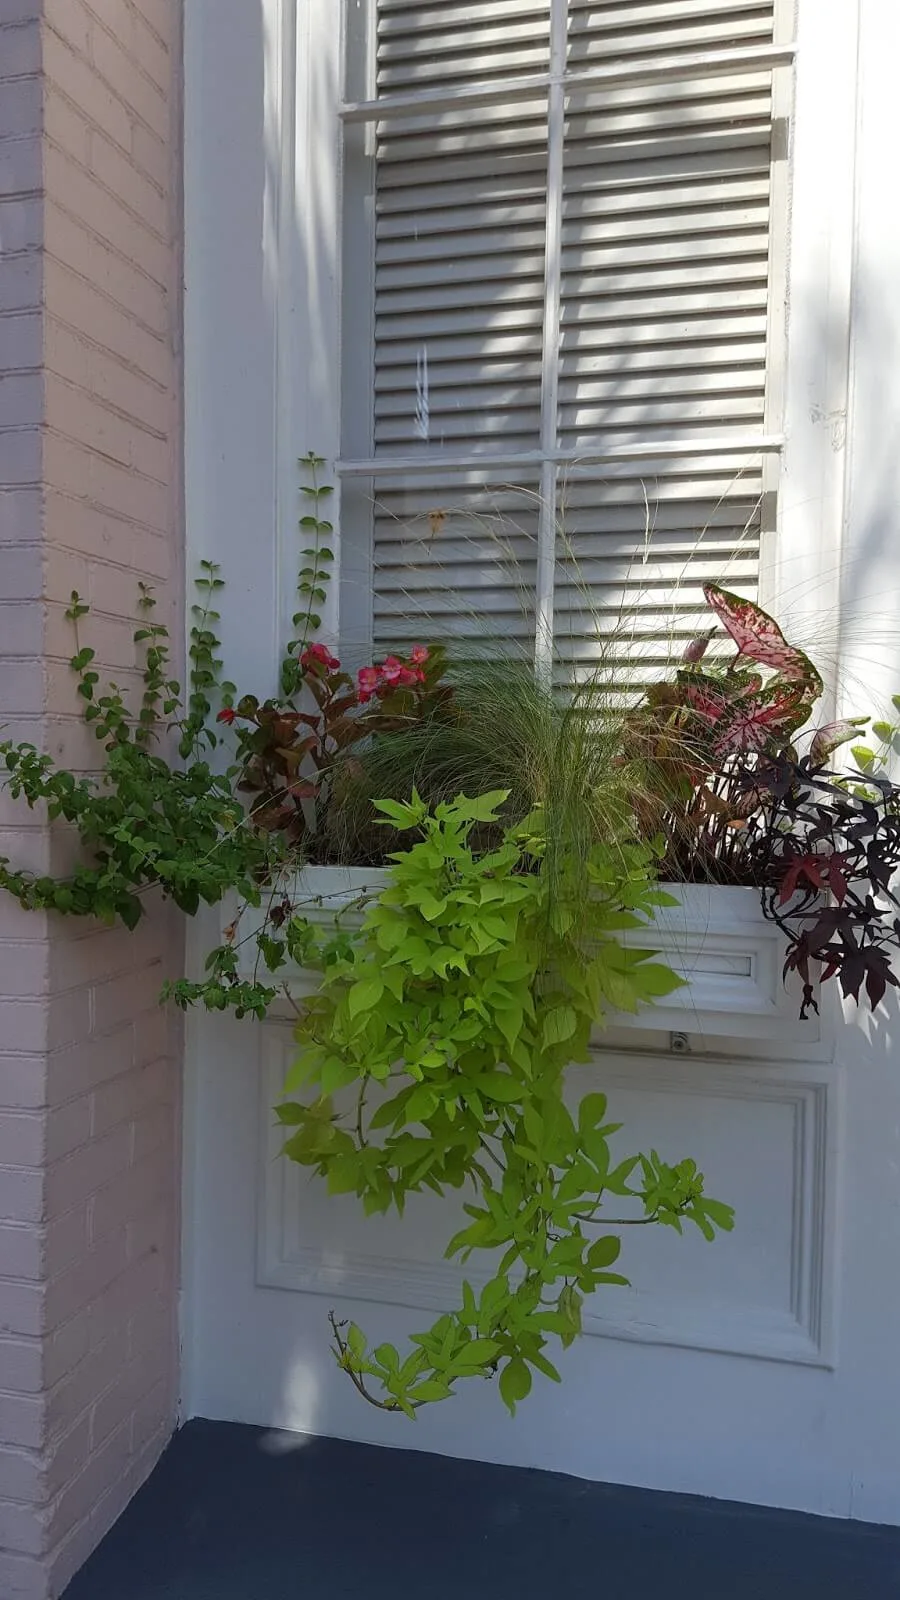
810	253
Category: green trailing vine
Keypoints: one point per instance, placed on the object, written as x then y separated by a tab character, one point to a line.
147	823
142	823
434	1055
313	577
205	665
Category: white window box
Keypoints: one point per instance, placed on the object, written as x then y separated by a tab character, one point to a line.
716	938
731	958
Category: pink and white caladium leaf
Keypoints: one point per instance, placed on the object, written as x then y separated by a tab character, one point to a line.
829	738
713	698
753	725
758	636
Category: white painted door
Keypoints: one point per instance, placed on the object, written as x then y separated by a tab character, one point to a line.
762	1367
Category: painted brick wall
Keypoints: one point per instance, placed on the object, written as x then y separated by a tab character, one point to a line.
89	499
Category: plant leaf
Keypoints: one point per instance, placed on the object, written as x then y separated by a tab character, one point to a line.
758	636
364	994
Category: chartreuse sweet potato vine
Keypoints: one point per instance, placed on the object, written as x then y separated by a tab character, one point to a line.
435	1053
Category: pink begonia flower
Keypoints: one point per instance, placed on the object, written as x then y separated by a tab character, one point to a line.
391	670
418	655
368	683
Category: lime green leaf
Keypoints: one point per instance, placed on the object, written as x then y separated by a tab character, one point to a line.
603	1252
515	1383
432	1389
476	1353
591	1112
559	1025
651	978
421	1104
392	1110
509	1020
539	1361
719	1213
356	1341
290	1114
364	995
499	1086
343	1174
484	808
402	816
430	907
550	1322
618	990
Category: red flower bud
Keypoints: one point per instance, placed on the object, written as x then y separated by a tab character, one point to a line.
696	649
319	655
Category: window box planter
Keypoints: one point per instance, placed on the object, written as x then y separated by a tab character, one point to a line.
731	958
716	938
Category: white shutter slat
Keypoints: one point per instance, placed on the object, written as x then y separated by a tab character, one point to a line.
669	27
447	44
456	560
606	228
662	330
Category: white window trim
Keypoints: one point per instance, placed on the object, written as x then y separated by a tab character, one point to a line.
800	562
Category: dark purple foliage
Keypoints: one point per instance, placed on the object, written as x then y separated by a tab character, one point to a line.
826	851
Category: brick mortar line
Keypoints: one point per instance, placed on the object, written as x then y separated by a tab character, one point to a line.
111	194
95	128
83	113
138	12
120	45
103	349
111	409
92	450
90	283
108	563
98	238
135	523
164	99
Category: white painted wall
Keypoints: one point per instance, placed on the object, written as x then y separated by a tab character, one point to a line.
806	1142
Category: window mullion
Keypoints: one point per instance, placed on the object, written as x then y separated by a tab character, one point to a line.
546	544
707	64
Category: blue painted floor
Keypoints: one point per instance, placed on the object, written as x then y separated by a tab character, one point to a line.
235	1513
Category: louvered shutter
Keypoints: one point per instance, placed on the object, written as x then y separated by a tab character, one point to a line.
663	325
459	303
662	322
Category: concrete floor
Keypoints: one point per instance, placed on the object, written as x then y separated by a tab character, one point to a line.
237	1513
